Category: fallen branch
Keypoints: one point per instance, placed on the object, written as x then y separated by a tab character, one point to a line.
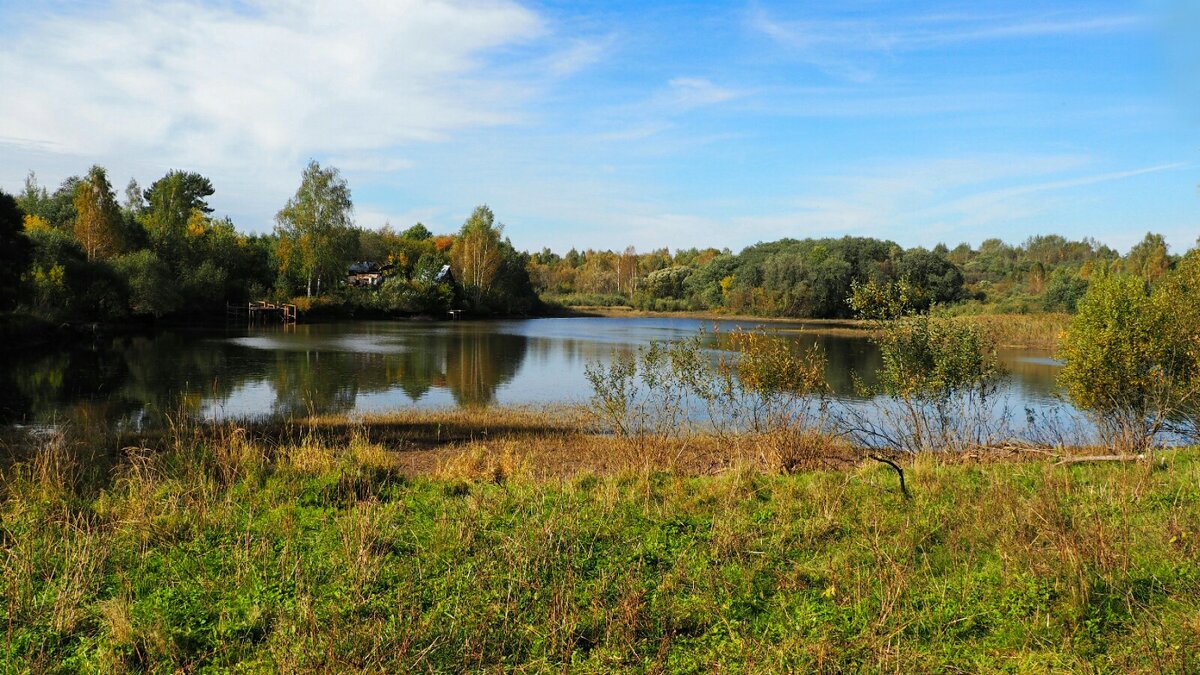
899	472
1100	458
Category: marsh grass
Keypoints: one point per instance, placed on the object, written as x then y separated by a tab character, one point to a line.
1030	331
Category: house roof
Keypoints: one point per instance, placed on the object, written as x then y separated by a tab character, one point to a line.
365	267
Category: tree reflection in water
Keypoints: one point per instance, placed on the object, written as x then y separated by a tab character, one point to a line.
142	380
347	367
478	363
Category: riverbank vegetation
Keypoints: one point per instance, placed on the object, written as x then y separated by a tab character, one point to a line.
76	254
221	546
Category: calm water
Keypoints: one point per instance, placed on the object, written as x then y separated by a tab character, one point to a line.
380	366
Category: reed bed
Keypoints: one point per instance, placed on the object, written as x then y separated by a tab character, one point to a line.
1031	331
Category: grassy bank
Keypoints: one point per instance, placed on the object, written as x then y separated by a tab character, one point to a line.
322	546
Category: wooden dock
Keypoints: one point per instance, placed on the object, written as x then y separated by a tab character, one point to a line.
264	312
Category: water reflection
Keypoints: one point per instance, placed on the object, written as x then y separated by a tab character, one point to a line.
325	369
378	366
1032	374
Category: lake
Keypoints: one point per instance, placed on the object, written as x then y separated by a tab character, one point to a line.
361	367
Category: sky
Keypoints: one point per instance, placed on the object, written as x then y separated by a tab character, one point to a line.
609	124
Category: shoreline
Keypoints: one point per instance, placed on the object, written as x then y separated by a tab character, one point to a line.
835	327
559	442
617	312
1038	331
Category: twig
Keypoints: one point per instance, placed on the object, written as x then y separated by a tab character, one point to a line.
899	472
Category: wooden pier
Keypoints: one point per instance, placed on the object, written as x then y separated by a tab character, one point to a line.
264	312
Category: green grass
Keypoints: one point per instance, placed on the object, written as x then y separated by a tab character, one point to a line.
214	552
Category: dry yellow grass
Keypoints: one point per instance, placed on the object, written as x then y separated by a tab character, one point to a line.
1032	331
493	445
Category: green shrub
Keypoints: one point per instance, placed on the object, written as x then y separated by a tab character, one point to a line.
1064	291
936	388
204	285
1132	354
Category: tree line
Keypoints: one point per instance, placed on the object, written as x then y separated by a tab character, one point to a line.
813	278
78	252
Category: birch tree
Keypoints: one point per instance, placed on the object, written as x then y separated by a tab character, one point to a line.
315	226
97	216
475	256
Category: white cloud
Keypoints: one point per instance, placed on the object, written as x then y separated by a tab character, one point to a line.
290	78
991	207
578	55
253	90
659	113
634	133
921	202
369	217
919	32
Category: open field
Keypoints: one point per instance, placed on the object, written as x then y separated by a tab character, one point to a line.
505	541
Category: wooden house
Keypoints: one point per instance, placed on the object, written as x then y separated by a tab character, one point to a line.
367	274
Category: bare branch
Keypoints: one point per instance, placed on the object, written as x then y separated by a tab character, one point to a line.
899	472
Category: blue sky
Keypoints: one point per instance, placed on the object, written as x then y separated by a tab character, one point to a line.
630	123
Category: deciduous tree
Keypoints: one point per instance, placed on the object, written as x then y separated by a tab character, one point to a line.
171	203
33	198
97	216
1149	258
316	224
475	255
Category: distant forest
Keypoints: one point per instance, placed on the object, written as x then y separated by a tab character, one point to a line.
79	253
812	278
